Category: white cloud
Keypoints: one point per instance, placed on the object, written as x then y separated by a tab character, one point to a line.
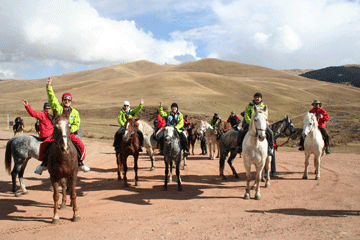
72	32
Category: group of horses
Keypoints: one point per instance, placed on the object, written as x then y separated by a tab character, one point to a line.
63	164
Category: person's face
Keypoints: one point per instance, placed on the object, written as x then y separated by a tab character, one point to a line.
67	102
174	109
316	105
126	107
257	99
233	114
47	109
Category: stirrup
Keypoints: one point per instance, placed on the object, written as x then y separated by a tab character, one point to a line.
84	168
39	170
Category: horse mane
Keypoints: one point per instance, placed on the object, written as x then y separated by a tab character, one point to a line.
311	116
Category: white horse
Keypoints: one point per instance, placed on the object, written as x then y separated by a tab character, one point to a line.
255	150
313	144
211	138
151	144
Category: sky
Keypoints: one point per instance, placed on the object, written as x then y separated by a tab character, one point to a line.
41	38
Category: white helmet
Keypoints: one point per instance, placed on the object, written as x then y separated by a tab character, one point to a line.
126	103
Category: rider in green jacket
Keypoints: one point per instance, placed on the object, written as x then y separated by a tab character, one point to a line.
126	111
249	111
176	119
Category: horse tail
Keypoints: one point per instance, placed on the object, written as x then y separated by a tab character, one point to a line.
8	156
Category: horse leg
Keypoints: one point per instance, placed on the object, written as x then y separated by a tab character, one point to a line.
217	144
318	161
268	167
193	147
185	165
119	165
166	173
307	156
72	183
259	169
150	152
56	197
125	168
230	162
248	176
136	156
178	174
63	185
222	164
170	173
209	147
21	177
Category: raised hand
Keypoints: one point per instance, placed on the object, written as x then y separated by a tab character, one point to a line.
24	102
48	82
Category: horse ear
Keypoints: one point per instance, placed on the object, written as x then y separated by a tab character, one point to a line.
127	118
265	107
55	113
67	115
137	119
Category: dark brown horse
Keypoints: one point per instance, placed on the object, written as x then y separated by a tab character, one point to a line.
63	165
192	136
18	127
37	126
130	145
222	127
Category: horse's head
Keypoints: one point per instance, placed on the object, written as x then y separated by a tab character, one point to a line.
61	132
310	124
258	123
131	127
290	129
169	134
202	128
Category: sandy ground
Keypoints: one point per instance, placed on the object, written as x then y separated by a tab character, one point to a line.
208	208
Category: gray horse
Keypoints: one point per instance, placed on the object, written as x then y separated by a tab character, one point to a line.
21	148
172	152
228	142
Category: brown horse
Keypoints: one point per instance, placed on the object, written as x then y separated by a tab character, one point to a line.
222	127
130	145
192	136
18	127
37	126
63	165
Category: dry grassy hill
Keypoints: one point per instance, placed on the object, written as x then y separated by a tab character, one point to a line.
200	88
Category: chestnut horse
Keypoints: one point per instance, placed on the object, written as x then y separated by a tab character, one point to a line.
192	131
130	145
63	165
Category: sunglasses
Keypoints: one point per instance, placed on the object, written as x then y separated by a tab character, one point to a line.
67	97
47	108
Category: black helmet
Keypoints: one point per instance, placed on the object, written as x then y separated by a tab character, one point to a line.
175	105
46	105
258	95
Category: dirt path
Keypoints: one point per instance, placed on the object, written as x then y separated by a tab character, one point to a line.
208	208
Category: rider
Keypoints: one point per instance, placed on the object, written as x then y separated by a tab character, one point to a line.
126	111
74	121
175	118
234	120
215	120
249	110
46	127
159	122
186	122
322	117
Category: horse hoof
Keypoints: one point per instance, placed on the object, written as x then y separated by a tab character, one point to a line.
55	220
119	178
223	177
267	185
18	194
136	184
236	176
304	177
317	178
62	206
164	188
247	196
253	187
263	179
180	189
152	168
75	218
126	185
25	193
184	168
257	197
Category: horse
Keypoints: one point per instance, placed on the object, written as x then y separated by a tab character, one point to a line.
19	126
211	138
172	153
150	143
21	148
192	131
228	143
223	127
130	145
63	165
255	150
313	144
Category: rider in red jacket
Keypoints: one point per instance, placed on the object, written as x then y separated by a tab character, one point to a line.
322	117
46	126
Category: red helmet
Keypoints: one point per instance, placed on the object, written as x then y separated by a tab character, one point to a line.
66	96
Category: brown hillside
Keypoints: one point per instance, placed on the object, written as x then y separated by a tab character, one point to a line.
200	88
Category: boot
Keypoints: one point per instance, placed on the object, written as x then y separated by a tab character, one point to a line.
83	167
40	168
301	148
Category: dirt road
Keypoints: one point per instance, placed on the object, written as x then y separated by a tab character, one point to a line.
208	208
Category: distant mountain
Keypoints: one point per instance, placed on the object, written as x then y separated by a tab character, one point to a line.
347	74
